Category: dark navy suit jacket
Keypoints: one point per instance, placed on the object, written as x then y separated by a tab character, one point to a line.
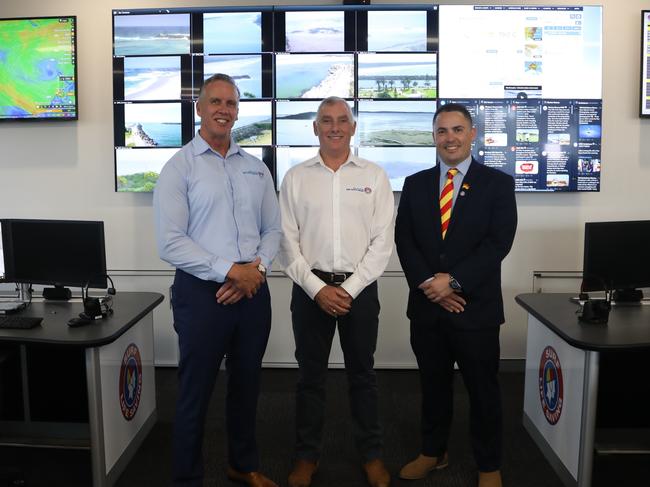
479	236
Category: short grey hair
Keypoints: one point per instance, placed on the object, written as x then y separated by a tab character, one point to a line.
333	100
219	77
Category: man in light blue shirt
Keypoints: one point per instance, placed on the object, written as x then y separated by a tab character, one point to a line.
218	222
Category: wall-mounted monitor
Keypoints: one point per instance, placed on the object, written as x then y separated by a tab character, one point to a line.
38	68
284	60
555	50
534	86
2	257
531	76
644	98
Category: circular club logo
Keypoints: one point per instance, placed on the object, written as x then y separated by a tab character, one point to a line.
130	382
551	391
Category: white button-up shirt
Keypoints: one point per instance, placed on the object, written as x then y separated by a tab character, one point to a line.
337	222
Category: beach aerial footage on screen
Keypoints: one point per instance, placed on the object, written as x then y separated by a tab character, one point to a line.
37	68
151	34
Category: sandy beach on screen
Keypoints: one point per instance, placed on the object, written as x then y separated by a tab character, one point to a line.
338	82
161	88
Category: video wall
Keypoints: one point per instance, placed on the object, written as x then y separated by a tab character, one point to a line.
394	64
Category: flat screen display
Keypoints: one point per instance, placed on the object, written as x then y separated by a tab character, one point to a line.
38	68
531	77
555	51
58	252
644	97
616	255
534	86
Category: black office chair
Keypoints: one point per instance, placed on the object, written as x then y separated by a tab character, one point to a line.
9	476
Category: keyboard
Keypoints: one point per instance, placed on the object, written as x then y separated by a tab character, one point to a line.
18	322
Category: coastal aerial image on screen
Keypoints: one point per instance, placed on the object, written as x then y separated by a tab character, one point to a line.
232	32
253	126
314	75
152	78
397	30
294	122
400	162
37	68
314	31
152	124
411	75
395	122
138	169
246	70
151	34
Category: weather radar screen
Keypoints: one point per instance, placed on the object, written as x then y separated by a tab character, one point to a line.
38	72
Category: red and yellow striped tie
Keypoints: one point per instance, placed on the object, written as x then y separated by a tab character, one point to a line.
446	200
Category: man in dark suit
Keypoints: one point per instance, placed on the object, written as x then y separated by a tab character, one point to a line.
455	224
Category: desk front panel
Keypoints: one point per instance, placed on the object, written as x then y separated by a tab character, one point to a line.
553	396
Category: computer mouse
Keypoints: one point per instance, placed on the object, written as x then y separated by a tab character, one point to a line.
74	322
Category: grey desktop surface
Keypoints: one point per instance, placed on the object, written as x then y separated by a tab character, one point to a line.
628	326
128	308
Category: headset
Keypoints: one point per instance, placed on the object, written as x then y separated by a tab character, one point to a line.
97	308
595	311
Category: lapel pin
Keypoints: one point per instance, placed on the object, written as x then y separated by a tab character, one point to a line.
465	185
462	193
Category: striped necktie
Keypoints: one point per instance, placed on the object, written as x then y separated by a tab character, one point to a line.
446	200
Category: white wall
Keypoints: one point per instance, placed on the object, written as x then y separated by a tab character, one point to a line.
65	170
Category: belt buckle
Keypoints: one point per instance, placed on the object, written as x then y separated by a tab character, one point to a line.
338	277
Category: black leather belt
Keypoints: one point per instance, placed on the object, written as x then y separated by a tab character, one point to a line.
332	278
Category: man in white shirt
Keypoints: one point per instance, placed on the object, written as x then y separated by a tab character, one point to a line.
337	219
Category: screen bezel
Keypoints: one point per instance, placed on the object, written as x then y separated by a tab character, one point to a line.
76	77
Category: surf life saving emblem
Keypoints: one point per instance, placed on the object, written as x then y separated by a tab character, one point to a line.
130	382
551	388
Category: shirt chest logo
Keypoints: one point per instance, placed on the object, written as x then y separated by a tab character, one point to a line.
254	173
359	189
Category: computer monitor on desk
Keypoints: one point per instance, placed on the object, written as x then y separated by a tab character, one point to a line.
54	252
617	258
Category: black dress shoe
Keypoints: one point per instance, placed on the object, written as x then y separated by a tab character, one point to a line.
252	479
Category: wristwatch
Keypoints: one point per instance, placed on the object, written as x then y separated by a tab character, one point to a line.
454	284
261	268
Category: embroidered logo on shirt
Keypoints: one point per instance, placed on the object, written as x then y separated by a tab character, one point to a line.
366	190
254	173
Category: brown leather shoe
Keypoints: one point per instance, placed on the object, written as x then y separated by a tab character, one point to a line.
252	479
422	465
376	473
489	479
303	471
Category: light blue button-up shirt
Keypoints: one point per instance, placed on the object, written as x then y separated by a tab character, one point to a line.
211	211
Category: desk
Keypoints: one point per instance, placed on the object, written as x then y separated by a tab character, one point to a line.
89	387
563	358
